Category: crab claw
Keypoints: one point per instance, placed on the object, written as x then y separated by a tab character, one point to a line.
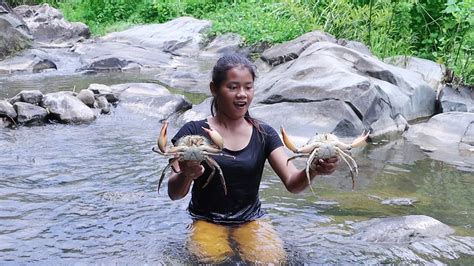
288	143
163	137
215	137
360	141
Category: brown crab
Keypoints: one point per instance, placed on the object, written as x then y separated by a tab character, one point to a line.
323	146
193	148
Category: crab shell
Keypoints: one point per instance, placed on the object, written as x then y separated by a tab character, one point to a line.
323	146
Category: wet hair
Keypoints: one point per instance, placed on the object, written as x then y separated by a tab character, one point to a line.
219	75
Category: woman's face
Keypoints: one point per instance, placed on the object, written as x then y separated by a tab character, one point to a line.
235	94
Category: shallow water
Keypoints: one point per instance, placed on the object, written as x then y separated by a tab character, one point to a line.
87	193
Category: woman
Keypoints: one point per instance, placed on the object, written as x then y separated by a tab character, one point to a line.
237	216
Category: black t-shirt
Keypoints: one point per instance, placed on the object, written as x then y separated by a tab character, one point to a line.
242	175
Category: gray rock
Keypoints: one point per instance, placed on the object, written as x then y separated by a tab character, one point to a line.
384	97
404	229
87	97
14	34
399	201
30	114
304	120
6	109
47	24
103	104
151	99
67	108
29	61
358	46
290	50
460	99
224	44
104	90
431	72
446	137
31	96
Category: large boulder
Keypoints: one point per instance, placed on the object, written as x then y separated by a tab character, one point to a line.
14	34
66	108
381	96
290	50
150	99
28	61
447	137
47	24
30	114
459	99
146	46
431	72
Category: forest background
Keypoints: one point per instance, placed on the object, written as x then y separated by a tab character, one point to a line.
438	30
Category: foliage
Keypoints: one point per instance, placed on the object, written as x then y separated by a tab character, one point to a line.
440	30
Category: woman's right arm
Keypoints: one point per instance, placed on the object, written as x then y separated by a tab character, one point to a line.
179	183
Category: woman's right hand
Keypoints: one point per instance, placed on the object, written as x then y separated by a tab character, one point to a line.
191	169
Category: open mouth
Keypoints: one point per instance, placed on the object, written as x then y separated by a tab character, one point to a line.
240	104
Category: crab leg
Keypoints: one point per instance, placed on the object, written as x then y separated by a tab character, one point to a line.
308	163
361	140
216	165
290	145
211	164
350	169
354	164
164	171
162	139
215	137
296	156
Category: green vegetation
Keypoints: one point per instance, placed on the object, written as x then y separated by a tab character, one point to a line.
439	30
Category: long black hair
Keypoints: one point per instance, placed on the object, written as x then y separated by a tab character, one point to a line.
219	75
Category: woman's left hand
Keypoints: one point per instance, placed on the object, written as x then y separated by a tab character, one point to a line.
324	166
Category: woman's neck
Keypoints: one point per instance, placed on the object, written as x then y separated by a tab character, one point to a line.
222	121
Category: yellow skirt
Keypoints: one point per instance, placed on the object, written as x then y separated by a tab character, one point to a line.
257	242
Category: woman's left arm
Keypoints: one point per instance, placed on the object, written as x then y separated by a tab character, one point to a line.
295	180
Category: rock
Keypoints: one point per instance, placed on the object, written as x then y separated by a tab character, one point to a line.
358	46
47	24
151	99
431	72
382	96
7	110
67	108
104	90
290	50
223	44
87	97
460	99
404	229
304	120
31	96
146	46
29	61
448	137
399	201
30	114
197	112
103	104
14	34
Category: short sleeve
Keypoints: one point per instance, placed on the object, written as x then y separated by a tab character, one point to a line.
272	139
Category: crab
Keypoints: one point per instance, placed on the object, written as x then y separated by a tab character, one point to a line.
323	146
192	148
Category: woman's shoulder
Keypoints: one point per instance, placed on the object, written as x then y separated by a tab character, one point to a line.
267	129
